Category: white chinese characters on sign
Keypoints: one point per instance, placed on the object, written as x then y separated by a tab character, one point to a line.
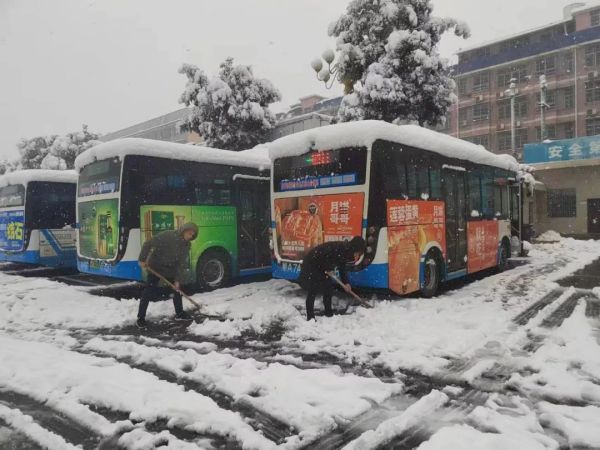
595	148
575	151
555	152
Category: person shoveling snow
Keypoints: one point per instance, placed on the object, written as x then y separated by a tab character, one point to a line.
319	263
166	256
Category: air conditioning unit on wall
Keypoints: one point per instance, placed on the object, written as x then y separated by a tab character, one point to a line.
500	126
592	112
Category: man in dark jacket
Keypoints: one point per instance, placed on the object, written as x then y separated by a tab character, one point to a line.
167	253
326	258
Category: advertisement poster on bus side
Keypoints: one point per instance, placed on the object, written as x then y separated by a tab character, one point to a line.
217	226
99	228
412	225
302	223
11	230
482	244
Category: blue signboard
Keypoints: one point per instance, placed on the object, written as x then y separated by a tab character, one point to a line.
563	150
11	230
326	181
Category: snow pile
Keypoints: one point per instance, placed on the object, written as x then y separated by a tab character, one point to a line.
549	236
579	424
364	133
160	149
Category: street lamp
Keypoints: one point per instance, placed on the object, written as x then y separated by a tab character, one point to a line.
325	74
512	92
543	107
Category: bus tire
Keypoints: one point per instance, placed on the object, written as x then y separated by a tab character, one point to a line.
432	276
503	255
213	270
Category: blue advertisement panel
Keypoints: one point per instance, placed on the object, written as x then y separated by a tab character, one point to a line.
11	230
562	150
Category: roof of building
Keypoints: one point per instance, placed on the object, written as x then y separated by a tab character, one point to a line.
161	149
131	131
28	175
365	132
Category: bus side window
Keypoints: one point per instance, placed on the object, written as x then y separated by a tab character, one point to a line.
474	205
423	189
411	177
435	178
487	192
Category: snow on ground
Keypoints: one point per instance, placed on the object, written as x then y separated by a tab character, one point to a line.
433	372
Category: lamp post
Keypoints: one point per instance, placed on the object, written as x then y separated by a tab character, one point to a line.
325	74
543	106
512	92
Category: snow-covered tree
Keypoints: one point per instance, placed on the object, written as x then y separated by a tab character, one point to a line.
230	111
34	150
65	149
55	152
388	61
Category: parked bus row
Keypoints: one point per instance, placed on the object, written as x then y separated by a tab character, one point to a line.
431	207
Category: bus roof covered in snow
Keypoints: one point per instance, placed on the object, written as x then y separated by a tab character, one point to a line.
160	149
365	132
25	176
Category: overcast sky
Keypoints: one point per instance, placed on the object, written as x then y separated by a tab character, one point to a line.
113	63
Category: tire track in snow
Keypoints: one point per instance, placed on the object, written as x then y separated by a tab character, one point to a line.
271	427
51	419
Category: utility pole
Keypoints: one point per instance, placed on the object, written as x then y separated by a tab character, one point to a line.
513	132
543	106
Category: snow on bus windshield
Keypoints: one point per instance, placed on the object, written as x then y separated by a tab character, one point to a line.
101	177
13	195
321	169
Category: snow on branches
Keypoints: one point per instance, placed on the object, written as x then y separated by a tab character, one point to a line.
390	48
230	111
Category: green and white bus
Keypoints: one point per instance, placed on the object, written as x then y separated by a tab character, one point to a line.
131	189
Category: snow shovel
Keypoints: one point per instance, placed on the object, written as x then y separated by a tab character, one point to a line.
183	294
361	301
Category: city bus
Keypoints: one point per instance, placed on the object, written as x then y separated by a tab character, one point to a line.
431	207
37	217
131	189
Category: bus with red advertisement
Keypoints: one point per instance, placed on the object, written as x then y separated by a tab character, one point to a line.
431	207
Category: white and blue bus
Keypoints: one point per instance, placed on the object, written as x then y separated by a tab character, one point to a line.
130	189
431	207
37	217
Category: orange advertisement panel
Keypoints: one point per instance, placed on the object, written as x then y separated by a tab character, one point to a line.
301	223
482	244
412	226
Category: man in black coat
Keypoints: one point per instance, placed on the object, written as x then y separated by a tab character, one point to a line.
167	253
326	258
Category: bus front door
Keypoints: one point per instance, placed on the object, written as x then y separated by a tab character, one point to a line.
253	223
456	220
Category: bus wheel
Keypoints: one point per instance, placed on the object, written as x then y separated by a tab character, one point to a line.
432	276
503	257
213	270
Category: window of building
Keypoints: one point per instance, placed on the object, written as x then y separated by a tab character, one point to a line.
569	97
550	99
520	108
595	17
522	137
562	202
462	86
569	130
550	132
481	81
482	52
481	112
592	91
568	62
592	55
483	139
545	66
503	78
592	127
463	115
504	141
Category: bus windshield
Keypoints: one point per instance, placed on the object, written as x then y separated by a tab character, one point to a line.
100	177
12	196
321	169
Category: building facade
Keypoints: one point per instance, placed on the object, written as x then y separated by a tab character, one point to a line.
567	52
162	128
570	172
